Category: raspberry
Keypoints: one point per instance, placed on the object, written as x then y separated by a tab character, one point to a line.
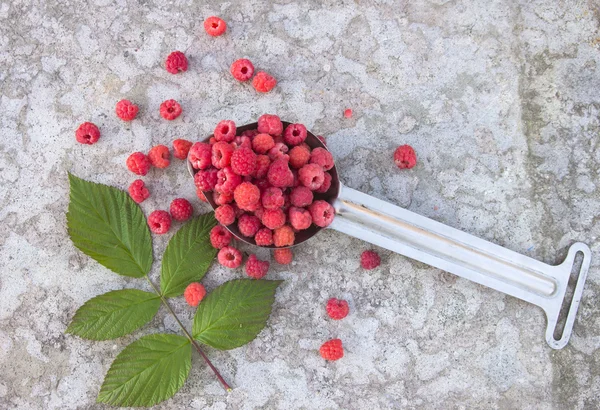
301	196
87	133
337	309
219	237
332	350
262	166
263	82
126	110
283	256
405	157
225	131
249	225
138	191
176	62
348	113
242	141
278	151
194	293
299	156
262	185
300	218
264	237
138	163
206	179
294	134
296	180
159	222
181	148
221	198
273	218
322	213
272	198
170	110
200	155
270	124
311	176
242	69
322	139
279	174
246	195
227	181
322	157
200	195
284	236
369	260
181	209
250	133
325	185
225	214
243	161
230	257
256	268
159	156
215	26
262	143
221	154
287	203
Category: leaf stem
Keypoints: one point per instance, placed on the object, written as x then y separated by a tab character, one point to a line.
191	339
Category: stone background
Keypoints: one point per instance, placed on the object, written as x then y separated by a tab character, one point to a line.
501	100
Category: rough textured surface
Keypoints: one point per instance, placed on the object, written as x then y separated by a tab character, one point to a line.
501	100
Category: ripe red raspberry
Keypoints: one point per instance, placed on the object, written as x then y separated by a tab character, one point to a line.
159	156
301	196
242	69
221	154
299	156
87	133
259	211
278	151
181	148
405	157
246	196
270	124
264	237
176	62
311	176
230	257
126	110
322	213
322	139
227	181
225	131
194	293
284	236
215	26
337	309
225	214
262	166
280	175
294	134
170	110
322	157
243	161
221	198
206	179
249	225
369	260
138	163
348	113
219	237
325	185
159	222
200	155
256	268
249	133
138	191
273	218
272	198
300	218
181	209
283	256
263	82
262	143
200	195
332	350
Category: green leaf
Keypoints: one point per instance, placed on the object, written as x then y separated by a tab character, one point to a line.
188	255
106	224
114	314
147	371
234	313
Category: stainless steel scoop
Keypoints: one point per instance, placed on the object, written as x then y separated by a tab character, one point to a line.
449	249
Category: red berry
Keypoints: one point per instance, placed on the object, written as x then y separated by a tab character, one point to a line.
348	113
181	148
300	218
230	257
262	166
337	309
280	175
243	141
279	151
325	185
225	214
301	196
242	69
243	161
215	26
246	196
194	293
322	213
159	156
322	157
225	131
273	218
138	163
126	110
181	209
283	256
262	143
200	155
206	179
264	237
311	176
284	236
256	268
294	134
159	222
249	133
263	82
170	110
221	154
176	62
87	133
332	350
270	124
227	181
369	260
299	156
222	198
272	198
405	157
138	191
259	211
249	225
219	237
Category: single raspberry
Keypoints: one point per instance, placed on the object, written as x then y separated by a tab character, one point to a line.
138	191
126	110
87	133
301	196
262	166
270	124
300	218
215	26
170	110
200	155
243	161
322	139
225	214
176	62
200	195
230	257
332	350
221	198
256	268
249	225
322	213
263	82
246	196
311	176
206	179
225	131
283	256
405	157
325	185
194	293
242	141
280	175
227	181
159	222
181	148
278	151
250	133
299	156
159	156
348	113
369	260
337	309
294	134
219	237
181	209
273	218
242	69
272	198
138	163
262	143
284	236
221	154
322	157
264	237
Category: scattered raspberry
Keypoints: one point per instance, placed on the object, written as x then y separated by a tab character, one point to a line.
220	237
181	209
272	198
301	196
200	155
176	62
159	222
348	113
225	214
322	139
283	256
138	163
242	69
278	151
284	236
138	191
227	181
322	157
159	156
194	293
215	26
280	175
230	257
311	176
181	148
294	134
322	213
170	110
200	195
206	179
299	156
273	218
405	157
221	154
249	225
263	82
225	131
87	133
369	260
262	143
326	184
243	161
222	198
246	196
270	124
337	309
256	268
262	166
300	218
126	110
332	350
264	236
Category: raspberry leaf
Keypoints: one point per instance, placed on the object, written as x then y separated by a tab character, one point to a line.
147	371
234	313
107	225
114	314
188	255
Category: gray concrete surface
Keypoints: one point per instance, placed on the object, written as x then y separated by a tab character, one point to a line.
501	100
